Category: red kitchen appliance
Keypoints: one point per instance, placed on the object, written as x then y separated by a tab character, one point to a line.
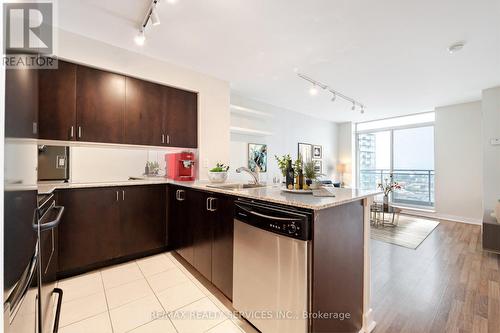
180	166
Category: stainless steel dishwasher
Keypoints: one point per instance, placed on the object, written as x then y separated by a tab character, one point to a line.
271	266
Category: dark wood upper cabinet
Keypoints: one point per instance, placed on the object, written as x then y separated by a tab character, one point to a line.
180	118
89	232
142	218
21	103
222	245
57	102
143	113
100	105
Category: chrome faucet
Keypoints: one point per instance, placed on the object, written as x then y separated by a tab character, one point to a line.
254	175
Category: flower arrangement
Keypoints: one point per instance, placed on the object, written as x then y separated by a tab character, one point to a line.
283	162
389	186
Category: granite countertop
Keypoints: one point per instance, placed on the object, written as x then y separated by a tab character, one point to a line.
269	193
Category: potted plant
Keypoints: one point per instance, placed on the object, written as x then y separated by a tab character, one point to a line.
283	162
310	174
388	187
218	174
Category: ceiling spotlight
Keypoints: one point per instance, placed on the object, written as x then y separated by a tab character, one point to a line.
313	91
334	97
456	47
155	19
140	38
353	106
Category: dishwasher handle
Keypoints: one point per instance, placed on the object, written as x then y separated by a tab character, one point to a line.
269	217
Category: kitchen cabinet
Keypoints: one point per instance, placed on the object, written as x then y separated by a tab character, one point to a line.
101	224
180	118
142	218
180	216
100	105
21	103
201	231
90	229
144	109
57	102
222	244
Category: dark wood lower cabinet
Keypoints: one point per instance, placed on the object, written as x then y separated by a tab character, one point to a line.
142	218
90	229
201	231
103	224
222	245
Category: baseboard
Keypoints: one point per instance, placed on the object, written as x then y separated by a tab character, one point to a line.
368	322
439	216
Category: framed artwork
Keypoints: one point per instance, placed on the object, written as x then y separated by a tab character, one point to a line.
318	167
317	152
257	157
304	152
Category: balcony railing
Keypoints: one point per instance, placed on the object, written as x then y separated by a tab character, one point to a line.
418	185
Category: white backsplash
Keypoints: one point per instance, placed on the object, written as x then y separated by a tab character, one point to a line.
97	164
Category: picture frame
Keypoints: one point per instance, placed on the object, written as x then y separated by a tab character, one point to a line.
318	166
317	152
304	152
257	157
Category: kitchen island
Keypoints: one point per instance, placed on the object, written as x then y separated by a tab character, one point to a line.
199	227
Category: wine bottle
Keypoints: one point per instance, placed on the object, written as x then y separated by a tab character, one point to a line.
301	180
289	175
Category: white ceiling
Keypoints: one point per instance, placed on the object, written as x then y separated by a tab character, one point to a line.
389	54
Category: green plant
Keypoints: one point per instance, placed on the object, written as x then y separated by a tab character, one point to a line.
220	167
309	171
283	162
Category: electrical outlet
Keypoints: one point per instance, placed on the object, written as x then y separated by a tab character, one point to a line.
495	141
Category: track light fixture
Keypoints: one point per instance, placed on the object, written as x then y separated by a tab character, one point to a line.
151	15
314	91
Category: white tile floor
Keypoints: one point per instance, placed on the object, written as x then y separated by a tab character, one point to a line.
154	294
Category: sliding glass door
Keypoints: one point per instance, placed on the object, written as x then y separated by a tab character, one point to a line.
404	154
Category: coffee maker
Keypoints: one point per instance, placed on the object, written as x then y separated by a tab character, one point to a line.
180	166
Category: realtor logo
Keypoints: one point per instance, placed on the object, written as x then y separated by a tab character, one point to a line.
28	34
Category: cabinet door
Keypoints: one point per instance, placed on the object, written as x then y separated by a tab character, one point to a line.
89	232
100	105
180	227
181	118
202	234
143	113
21	103
222	245
57	102
142	218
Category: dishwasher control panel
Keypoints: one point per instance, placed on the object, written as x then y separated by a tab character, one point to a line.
277	219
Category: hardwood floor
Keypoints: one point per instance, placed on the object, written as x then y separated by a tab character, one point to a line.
448	284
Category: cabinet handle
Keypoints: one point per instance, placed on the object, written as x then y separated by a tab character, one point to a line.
72	132
208	204
80	132
117	196
178	195
123	195
163	138
213	206
168	139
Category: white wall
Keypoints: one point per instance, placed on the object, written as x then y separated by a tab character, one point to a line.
213	94
346	152
288	128
458	162
491	153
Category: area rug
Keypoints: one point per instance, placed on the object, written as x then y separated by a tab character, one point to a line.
410	232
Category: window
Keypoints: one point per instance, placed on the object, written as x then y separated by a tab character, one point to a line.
404	153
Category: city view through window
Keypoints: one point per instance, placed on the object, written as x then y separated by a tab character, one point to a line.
405	155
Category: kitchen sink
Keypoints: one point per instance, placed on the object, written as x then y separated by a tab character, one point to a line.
236	186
